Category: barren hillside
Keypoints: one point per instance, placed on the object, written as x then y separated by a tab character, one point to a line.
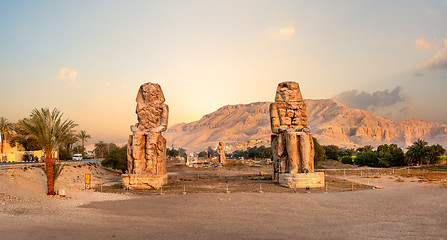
331	122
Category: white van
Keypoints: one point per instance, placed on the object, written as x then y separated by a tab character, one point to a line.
77	157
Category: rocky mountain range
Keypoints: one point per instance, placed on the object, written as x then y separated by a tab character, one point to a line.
246	125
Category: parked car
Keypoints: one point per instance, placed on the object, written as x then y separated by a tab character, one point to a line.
77	157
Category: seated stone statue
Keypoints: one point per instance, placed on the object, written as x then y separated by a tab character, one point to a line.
292	144
221	152
147	147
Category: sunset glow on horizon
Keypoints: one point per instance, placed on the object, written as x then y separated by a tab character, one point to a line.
88	58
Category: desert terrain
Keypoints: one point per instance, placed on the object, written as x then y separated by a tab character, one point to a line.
358	203
331	122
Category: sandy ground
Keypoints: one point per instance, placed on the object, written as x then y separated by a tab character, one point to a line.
403	205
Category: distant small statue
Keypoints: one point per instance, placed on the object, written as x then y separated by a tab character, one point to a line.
221	152
292	143
146	150
187	158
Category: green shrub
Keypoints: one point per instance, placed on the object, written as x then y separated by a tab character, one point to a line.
116	159
331	152
319	152
346	160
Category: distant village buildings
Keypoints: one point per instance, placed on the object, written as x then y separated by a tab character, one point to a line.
18	154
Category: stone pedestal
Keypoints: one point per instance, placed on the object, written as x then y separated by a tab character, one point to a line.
302	180
144	181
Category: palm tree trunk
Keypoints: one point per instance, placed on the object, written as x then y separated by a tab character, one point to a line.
83	148
3	142
50	173
70	149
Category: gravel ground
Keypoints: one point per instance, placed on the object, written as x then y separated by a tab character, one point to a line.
395	209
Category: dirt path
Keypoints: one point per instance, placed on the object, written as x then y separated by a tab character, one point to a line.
412	208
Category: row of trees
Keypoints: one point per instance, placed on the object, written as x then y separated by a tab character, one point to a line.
17	133
253	152
387	155
45	130
261	152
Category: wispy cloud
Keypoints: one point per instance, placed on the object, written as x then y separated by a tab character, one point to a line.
69	76
371	100
283	31
422	43
287	31
439	61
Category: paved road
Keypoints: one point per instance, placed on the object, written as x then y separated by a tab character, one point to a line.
9	165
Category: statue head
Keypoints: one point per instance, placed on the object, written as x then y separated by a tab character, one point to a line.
150	93
288	92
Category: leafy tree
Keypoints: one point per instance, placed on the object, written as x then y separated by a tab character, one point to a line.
83	136
319	152
182	152
211	152
6	129
172	152
110	147
116	159
77	149
346	152
202	154
265	152
416	152
57	168
71	140
432	153
21	137
100	149
331	152
64	154
367	158
50	132
366	148
346	160
240	154
390	155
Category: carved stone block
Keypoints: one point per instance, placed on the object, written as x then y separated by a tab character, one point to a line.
302	180
144	181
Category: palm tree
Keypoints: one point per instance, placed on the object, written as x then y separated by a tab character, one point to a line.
50	132
83	136
71	140
416	152
100	148
5	130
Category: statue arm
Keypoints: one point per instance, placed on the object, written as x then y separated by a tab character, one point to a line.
164	118
163	121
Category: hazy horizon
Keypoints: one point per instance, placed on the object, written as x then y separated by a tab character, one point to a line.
88	59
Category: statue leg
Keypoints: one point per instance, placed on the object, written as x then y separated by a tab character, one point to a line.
161	155
138	149
306	152
293	151
275	156
152	152
130	165
283	163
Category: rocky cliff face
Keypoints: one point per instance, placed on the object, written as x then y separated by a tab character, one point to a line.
331	122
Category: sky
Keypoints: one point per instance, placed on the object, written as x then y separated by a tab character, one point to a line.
88	58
